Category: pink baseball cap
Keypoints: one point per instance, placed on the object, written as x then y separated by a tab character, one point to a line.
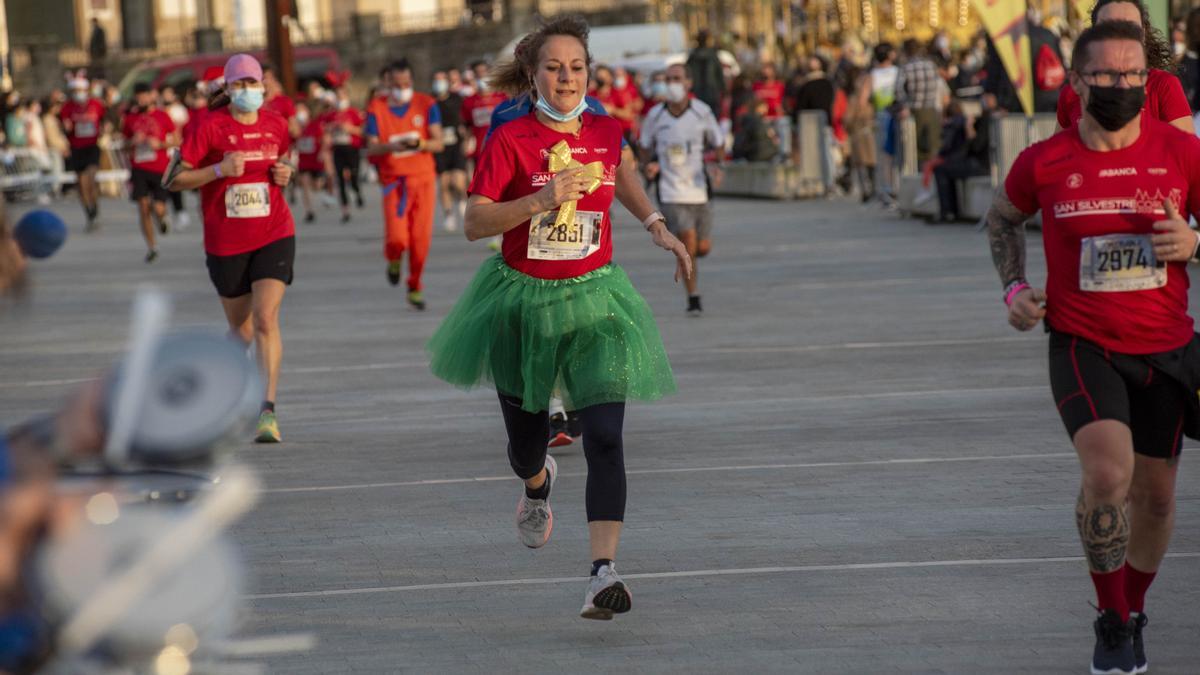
242	66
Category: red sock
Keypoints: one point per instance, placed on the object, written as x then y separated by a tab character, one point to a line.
1110	592
1137	583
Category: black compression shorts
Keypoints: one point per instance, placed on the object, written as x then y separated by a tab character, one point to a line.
1091	383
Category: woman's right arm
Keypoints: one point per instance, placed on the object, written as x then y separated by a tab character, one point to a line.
191	179
487	218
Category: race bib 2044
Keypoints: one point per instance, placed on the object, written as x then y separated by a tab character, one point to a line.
247	200
1119	262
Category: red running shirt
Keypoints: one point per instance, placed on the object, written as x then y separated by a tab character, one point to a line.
514	164
281	104
156	124
248	212
1084	195
82	122
1165	100
351	117
477	112
310	143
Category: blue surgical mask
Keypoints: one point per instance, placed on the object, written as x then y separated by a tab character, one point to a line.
553	113
247	100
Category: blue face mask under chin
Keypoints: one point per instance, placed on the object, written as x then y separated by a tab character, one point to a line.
247	100
554	114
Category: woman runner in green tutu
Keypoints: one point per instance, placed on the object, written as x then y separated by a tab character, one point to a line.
552	309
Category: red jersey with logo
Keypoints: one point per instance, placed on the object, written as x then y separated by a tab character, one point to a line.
310	143
1165	100
772	94
414	124
515	164
349	118
281	104
151	124
247	212
477	112
1098	210
82	122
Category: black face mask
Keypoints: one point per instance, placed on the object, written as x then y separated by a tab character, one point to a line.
1113	107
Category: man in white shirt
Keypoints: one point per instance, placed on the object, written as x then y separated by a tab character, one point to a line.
676	135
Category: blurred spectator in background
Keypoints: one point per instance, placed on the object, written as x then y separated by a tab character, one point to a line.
883	77
919	94
15	131
708	76
966	144
97	50
615	101
1189	70
860	130
755	140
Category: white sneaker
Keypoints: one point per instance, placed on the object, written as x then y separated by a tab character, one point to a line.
606	595
183	220
328	200
534	518
450	222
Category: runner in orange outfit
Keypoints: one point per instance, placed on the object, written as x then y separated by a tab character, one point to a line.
403	131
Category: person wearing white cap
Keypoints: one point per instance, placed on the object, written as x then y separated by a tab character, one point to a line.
237	160
81	118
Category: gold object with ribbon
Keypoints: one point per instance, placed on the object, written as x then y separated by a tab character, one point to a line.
560	160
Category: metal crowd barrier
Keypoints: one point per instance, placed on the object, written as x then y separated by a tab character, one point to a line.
1011	134
815	170
26	171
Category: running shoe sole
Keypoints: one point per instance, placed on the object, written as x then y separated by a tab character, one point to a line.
611	601
560	440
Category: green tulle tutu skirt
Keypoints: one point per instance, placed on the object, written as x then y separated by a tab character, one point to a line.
590	339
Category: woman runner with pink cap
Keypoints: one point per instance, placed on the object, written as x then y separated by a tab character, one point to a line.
236	159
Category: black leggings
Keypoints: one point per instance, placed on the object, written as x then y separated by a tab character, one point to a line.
346	160
528	434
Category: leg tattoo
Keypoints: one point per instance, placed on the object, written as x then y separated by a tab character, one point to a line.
1105	533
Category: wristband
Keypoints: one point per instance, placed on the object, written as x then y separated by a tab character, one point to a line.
217	170
1013	288
652	219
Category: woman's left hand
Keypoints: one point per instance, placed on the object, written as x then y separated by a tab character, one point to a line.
664	239
281	173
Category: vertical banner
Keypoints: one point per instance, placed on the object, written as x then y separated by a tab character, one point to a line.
1005	24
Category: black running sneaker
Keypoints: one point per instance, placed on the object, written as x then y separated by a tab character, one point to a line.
393	273
1139	647
1114	645
309	217
558	431
693	308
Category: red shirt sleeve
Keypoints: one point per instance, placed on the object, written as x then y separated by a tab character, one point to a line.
496	168
1021	183
1172	103
196	146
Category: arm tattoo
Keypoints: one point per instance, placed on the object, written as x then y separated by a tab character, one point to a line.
1104	530
1006	234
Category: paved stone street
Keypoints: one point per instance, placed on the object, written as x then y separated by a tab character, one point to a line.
863	471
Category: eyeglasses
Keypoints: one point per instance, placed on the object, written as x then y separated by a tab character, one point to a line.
1110	78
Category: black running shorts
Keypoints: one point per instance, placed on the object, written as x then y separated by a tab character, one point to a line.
147	184
451	159
233	275
83	159
1091	383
